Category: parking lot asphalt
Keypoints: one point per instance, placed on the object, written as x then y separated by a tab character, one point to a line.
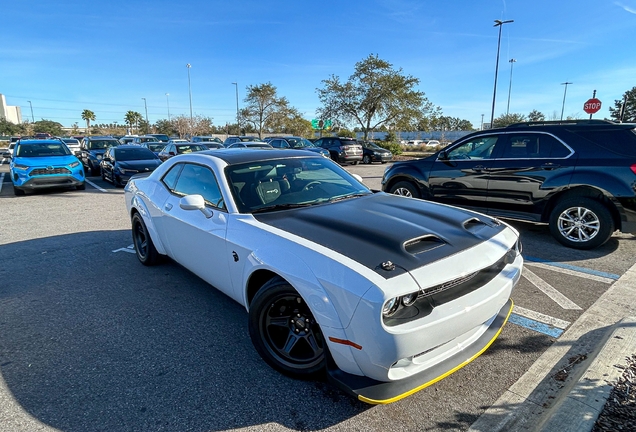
92	340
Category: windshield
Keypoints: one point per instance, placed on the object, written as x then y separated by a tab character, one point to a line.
248	138
41	150
161	137
134	154
299	142
286	183
156	147
148	139
71	141
97	145
190	148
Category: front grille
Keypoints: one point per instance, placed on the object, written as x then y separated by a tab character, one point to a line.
46	171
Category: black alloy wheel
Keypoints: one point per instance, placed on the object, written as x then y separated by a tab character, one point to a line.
581	223
144	247
366	159
284	331
405	188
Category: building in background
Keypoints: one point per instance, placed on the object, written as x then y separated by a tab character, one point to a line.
11	113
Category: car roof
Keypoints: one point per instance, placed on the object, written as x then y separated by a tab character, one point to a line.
40	141
237	156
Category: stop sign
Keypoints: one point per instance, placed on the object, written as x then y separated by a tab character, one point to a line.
592	106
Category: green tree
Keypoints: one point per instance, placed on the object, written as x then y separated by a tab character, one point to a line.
88	116
629	115
132	118
48	126
508	119
9	128
375	94
264	109
536	116
165	127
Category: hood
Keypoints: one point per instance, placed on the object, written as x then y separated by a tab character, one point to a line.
46	161
97	151
372	230
139	165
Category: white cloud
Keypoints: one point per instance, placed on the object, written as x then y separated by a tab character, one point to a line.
629	9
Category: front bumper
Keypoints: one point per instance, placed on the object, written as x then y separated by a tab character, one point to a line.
26	181
378	392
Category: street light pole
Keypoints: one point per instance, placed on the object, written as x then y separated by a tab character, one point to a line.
32	118
512	62
482	122
564	93
498	23
147	124
168	102
238	125
190	93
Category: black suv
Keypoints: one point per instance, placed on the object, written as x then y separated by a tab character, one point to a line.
578	176
92	150
342	150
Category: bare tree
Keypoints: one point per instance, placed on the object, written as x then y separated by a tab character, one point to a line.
263	107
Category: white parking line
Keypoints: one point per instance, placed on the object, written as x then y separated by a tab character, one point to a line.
537	316
1	180
129	249
95	186
549	290
570	272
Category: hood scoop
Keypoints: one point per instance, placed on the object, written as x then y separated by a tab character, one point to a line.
423	244
474	225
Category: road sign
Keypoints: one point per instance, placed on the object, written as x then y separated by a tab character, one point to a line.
320	124
592	106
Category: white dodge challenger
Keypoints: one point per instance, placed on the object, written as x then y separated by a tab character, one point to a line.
387	294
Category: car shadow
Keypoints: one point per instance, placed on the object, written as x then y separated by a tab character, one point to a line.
92	340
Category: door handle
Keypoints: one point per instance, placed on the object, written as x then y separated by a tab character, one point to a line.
168	207
479	168
549	166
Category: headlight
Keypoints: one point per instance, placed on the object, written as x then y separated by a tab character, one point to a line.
98	157
74	164
127	171
513	252
21	167
409	299
390	307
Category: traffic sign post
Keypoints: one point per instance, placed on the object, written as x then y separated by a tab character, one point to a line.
592	105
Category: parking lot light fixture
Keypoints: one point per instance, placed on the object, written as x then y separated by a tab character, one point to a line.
32	118
190	94
564	93
498	23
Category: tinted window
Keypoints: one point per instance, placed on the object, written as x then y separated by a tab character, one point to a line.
480	147
621	141
181	149
140	153
170	179
533	146
100	144
196	179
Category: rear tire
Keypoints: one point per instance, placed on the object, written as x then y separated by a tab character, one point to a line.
144	247
581	223
405	188
366	159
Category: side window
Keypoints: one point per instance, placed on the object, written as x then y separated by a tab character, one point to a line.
170	179
533	146
197	179
480	147
276	143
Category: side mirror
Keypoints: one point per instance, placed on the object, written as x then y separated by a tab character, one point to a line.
195	202
443	155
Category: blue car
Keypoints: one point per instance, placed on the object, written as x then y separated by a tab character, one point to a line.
40	164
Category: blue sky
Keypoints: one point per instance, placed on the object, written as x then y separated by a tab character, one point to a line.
67	56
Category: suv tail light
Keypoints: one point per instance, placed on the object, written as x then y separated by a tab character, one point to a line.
633	168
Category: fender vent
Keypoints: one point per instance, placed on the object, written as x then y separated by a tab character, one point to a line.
474	225
423	244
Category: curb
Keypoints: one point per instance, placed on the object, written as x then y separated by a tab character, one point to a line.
541	393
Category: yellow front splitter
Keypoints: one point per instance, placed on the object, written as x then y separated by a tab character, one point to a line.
378	392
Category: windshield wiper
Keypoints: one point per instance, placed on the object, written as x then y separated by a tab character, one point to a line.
280	207
353	195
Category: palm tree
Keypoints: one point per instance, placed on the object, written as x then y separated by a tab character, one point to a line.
132	118
88	115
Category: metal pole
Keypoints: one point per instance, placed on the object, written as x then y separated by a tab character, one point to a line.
482	122
32	118
190	93
147	124
593	96
564	93
498	23
622	112
512	62
238	125
168	102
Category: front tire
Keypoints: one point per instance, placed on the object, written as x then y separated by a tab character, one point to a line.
144	247
581	223
366	159
405	188
284	331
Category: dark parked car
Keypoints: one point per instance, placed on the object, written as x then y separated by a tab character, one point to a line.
371	152
179	148
206	139
212	145
297	143
232	139
342	150
161	137
577	176
92	150
154	147
122	162
138	140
